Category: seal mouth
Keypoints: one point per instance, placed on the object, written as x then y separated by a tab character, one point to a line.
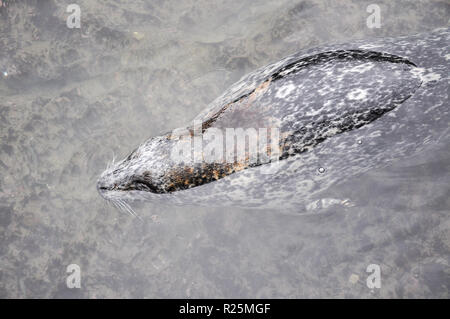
108	181
102	188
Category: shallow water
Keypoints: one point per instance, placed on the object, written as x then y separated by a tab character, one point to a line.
74	98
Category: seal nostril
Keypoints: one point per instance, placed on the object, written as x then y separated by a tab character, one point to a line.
101	186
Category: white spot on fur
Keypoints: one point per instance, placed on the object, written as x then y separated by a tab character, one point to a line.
362	67
424	76
431	77
285	90
357	94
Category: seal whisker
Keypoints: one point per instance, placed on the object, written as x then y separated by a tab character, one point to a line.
120	203
129	209
123	207
113	203
118	206
111	163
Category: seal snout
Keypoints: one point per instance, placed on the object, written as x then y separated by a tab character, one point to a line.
108	181
101	186
127	176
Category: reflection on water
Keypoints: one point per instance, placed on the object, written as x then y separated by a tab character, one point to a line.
71	99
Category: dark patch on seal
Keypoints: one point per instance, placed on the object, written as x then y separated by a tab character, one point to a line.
344	55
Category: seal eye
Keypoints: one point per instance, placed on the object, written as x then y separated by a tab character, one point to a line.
144	185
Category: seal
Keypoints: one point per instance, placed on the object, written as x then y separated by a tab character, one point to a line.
288	131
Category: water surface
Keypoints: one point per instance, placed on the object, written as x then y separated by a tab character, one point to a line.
74	98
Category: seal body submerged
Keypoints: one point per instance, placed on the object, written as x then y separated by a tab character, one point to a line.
344	109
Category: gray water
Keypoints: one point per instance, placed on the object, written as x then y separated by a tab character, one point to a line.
74	98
